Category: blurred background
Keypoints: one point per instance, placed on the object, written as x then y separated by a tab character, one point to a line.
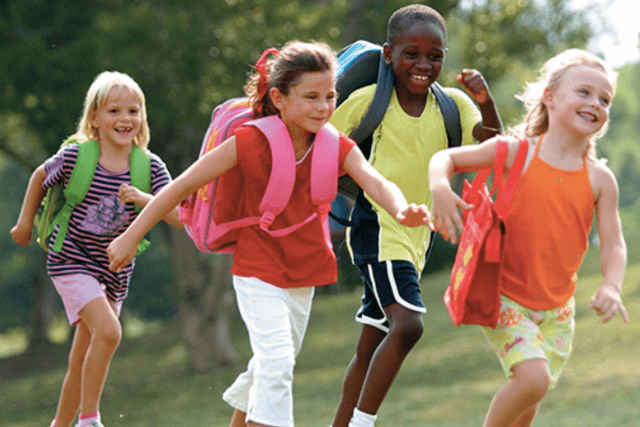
190	56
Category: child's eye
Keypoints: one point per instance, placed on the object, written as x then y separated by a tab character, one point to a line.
583	91
605	101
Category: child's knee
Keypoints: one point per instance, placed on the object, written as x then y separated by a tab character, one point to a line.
408	329
534	376
278	368
109	333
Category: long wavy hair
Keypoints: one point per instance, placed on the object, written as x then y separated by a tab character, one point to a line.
536	119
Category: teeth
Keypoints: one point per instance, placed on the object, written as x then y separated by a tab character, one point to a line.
589	116
421	78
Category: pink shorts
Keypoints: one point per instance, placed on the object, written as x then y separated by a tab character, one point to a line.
77	290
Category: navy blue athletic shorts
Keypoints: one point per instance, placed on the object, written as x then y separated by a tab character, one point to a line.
385	283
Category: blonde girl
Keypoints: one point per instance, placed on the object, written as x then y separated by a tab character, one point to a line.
92	295
274	277
563	183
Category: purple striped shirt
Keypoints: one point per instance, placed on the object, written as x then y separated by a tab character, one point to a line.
96	221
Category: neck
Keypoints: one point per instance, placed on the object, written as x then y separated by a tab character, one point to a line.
113	158
301	141
411	104
566	141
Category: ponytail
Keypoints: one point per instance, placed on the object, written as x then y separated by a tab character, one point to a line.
257	88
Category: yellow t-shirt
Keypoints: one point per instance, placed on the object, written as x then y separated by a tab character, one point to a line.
402	148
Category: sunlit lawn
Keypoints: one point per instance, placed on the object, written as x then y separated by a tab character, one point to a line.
448	380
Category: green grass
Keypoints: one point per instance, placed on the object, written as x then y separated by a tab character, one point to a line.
448	380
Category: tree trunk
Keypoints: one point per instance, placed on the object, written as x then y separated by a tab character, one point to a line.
44	302
205	299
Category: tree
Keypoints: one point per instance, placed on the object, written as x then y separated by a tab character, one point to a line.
190	56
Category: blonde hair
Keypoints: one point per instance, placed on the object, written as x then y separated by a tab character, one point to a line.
97	96
536	120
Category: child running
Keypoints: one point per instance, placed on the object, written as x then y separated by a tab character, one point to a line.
549	224
391	258
274	277
115	115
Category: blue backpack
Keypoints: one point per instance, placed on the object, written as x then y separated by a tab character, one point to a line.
361	64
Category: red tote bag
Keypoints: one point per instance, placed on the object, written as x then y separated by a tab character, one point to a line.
473	295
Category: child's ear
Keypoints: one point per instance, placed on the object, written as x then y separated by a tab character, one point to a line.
547	98
92	121
276	97
386	53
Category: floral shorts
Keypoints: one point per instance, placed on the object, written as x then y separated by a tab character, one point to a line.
525	334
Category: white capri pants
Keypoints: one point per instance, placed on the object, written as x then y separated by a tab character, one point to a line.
277	320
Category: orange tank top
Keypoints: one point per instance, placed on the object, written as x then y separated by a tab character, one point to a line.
548	228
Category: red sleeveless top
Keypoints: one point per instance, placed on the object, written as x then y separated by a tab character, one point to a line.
548	229
301	258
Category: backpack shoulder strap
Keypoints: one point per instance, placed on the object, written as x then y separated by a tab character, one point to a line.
283	169
140	171
379	104
450	115
77	186
324	165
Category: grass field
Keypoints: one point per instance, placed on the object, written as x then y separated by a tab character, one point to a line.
448	380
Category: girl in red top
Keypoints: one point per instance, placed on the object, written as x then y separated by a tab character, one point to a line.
549	222
274	277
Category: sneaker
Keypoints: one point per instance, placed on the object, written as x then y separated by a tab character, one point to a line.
94	423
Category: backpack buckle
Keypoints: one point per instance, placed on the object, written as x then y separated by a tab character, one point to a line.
266	220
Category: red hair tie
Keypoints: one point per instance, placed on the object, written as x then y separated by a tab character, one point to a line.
261	67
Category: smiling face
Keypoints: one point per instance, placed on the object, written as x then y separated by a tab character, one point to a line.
309	105
416	56
581	100
118	119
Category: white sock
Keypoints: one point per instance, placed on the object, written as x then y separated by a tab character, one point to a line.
361	419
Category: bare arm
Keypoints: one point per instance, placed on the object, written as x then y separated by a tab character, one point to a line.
613	251
21	232
207	168
384	192
443	164
478	89
130	194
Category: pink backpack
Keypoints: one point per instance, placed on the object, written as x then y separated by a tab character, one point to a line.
210	215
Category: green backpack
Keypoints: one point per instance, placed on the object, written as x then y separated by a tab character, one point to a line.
59	202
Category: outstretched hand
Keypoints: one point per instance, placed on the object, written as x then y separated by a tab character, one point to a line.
446	217
415	215
475	85
607	302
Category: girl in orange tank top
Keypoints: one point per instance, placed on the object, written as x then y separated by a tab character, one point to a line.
547	226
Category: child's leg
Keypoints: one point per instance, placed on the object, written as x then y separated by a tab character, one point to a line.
237	420
405	329
527	418
370	338
514	402
106	332
276	320
69	402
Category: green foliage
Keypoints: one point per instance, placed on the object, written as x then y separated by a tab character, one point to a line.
621	144
190	56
